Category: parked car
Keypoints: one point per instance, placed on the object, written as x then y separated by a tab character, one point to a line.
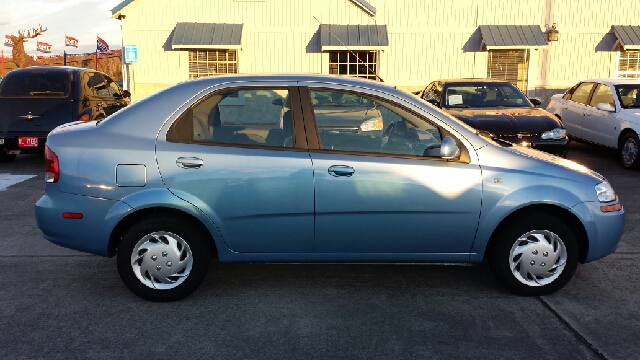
34	100
604	112
193	171
500	108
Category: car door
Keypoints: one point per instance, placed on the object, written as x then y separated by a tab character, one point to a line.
376	192
600	126
227	154
574	109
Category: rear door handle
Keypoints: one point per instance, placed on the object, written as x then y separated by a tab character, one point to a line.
189	162
341	170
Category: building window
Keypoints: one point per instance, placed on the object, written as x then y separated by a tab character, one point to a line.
510	65
211	62
629	64
354	63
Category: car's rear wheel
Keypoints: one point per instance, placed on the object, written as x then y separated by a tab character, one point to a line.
162	258
5	158
628	150
534	255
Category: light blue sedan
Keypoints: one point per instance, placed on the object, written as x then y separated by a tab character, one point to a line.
312	168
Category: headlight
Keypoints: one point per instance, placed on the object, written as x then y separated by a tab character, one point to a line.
554	134
371	125
605	192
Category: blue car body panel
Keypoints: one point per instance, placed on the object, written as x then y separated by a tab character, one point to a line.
270	205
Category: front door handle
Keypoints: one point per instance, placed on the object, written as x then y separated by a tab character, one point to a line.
564	108
341	170
189	162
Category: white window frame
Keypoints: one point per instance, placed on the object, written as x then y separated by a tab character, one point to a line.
618	72
194	75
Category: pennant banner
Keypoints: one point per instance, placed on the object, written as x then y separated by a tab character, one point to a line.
102	45
70	41
7	41
44	47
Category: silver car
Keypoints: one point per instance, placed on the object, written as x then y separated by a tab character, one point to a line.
220	167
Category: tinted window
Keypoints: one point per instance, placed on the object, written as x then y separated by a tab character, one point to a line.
243	117
433	92
36	83
349	122
629	95
581	95
484	94
602	94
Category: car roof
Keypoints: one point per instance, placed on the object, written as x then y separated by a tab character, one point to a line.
479	80
614	81
56	68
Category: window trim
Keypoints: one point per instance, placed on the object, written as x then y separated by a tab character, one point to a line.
618	72
210	49
351	50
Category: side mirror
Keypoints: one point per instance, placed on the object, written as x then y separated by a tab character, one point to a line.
126	93
535	102
448	149
278	102
605	107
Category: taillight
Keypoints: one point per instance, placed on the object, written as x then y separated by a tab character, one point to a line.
84	117
52	167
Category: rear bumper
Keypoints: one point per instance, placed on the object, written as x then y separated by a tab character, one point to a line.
90	233
9	142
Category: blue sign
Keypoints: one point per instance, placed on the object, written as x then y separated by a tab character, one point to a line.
131	54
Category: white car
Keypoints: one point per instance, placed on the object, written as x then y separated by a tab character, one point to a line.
604	112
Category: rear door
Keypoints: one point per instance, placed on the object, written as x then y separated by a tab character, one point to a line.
229	155
574	109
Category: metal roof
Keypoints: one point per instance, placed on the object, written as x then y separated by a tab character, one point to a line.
116	10
628	37
353	37
189	35
512	37
365	6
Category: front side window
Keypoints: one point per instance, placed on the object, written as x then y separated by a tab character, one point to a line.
510	65
602	94
629	95
581	95
211	62
354	63
629	64
237	117
356	123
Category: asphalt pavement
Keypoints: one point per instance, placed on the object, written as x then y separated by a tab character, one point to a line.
56	303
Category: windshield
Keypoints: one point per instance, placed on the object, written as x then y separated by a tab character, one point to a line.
629	95
483	95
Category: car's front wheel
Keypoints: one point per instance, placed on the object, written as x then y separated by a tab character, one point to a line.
629	151
163	259
534	255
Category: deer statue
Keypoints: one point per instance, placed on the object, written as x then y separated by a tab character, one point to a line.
20	57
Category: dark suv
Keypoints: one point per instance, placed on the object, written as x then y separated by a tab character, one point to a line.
35	100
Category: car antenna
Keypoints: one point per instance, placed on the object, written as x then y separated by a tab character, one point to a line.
346	47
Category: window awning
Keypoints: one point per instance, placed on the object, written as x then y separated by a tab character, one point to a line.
495	37
628	37
206	36
353	37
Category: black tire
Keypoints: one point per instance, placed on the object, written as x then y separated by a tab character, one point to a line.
628	150
5	158
171	240
540	227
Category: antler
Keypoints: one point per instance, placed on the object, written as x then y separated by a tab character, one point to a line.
31	33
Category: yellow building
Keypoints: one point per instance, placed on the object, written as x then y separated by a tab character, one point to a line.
542	46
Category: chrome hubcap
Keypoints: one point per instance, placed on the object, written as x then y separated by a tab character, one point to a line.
537	258
161	260
629	151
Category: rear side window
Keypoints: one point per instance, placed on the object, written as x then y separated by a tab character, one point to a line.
581	95
36	83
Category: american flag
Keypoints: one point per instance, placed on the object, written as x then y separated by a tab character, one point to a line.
70	41
102	45
7	41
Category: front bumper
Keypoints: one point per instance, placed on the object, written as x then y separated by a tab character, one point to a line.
604	230
558	147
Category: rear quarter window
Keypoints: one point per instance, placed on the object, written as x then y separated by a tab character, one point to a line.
36	83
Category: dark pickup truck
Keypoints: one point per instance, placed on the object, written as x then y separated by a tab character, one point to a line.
35	100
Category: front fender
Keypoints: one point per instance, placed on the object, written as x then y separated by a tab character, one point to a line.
498	205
